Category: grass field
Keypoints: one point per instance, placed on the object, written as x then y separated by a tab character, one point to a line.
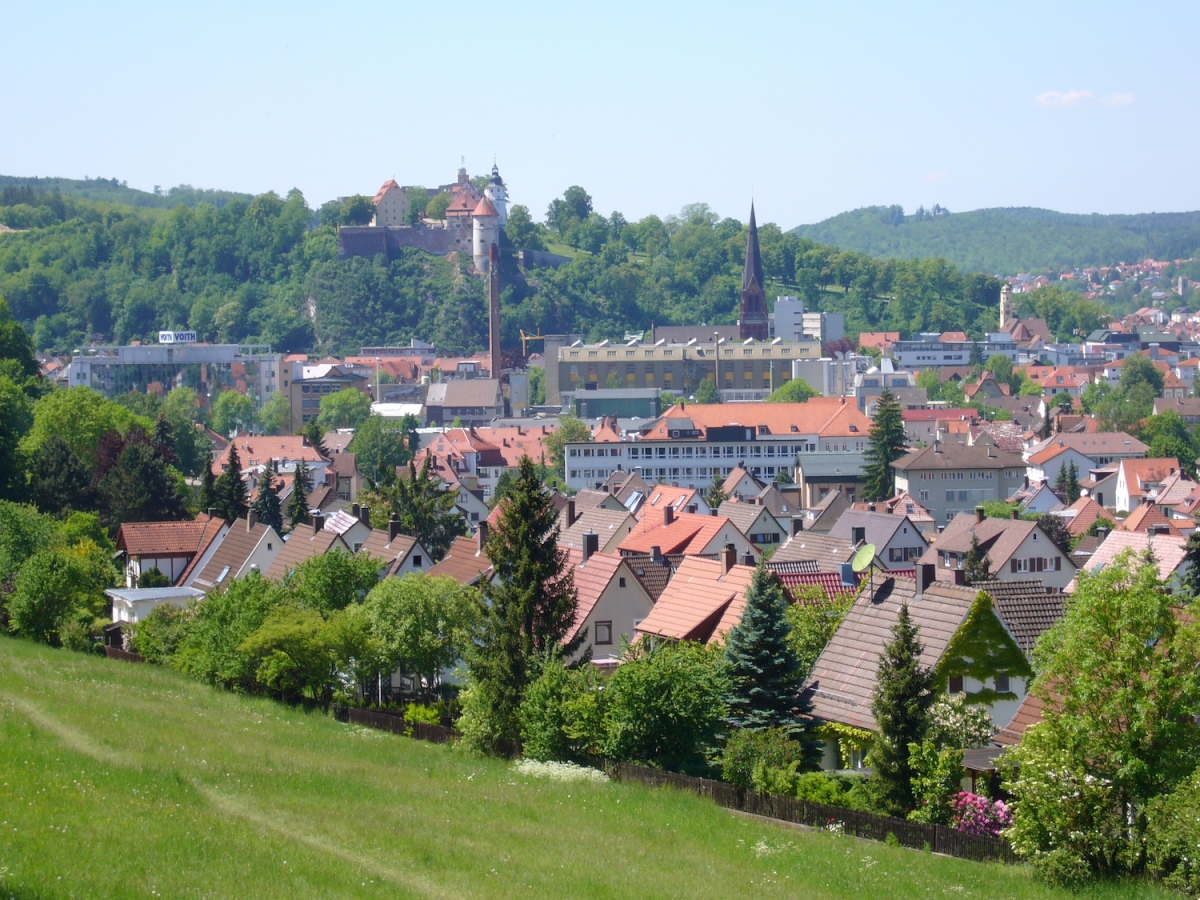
119	780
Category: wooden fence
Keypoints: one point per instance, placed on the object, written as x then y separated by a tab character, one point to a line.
125	655
937	838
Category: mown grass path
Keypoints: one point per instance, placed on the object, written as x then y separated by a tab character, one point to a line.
121	781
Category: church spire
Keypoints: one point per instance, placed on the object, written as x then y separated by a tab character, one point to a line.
752	323
752	274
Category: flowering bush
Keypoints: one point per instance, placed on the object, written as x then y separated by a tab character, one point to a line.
972	814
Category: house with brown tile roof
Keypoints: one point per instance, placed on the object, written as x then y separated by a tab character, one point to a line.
610	526
473	401
612	601
1140	479
897	541
303	544
702	602
465	561
1086	450
1081	515
1016	549
903	504
687	533
1187	408
740	484
827	553
246	546
590	499
169	547
825	514
1150	519
398	553
950	478
843	680
1168	550
655	573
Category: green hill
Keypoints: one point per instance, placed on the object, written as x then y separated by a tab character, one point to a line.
111	190
131	781
1008	241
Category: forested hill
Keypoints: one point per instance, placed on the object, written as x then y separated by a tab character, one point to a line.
78	270
1013	240
111	190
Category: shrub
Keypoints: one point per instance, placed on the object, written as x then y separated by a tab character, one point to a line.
935	779
746	751
420	713
955	724
1173	836
560	714
157	637
821	787
972	814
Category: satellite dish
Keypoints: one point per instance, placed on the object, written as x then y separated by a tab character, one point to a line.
863	558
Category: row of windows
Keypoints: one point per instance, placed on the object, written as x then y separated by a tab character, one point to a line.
1001	683
689	451
668	354
986	475
676	472
904	554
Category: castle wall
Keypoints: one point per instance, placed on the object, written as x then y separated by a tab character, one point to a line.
369	241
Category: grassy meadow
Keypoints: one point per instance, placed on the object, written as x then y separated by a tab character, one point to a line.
121	781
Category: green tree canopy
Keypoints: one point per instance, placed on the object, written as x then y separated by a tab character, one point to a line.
232	411
348	408
795	391
570	430
425	508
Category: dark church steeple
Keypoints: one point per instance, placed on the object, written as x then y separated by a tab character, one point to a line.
752	323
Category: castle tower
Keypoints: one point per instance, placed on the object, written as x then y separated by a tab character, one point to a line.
1005	303
485	224
498	194
752	323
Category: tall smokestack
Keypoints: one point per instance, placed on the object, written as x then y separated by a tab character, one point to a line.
494	308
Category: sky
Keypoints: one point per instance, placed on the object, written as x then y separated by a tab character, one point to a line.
810	109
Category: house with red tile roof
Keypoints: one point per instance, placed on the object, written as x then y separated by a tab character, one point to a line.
303	544
881	339
1085	450
398	553
1150	519
169	547
465	561
687	533
1169	552
702	602
611	601
1081	515
1139	480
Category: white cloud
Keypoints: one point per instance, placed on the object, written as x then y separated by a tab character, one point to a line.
1124	98
1061	99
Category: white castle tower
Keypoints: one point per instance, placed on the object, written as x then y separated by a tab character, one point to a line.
498	194
485	223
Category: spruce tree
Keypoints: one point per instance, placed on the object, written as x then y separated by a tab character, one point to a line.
1060	482
903	695
266	504
1071	486
763	669
976	565
714	494
231	497
887	444
208	483
59	479
425	508
297	505
527	609
315	435
164	440
976	359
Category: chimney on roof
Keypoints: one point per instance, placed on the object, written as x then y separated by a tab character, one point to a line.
365	515
251	520
668	514
748	559
1102	533
318	522
393	528
481	535
212	512
870	507
656	554
356	510
591	545
797	525
570	512
925	576
979	516
728	558
714	512
1014	513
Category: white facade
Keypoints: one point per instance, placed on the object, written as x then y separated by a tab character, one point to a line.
485	231
497	193
789	318
391	205
134	605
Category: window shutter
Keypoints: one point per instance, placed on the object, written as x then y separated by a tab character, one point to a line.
1013	564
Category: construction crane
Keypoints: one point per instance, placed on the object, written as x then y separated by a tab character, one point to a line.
526	338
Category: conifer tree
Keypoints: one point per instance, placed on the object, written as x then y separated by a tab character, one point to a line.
888	443
297	505
164	440
315	435
208	483
1071	485
763	668
903	696
425	508
1060	482
714	494
266	504
977	566
527	610
231	498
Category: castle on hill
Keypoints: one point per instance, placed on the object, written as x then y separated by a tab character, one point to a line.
473	219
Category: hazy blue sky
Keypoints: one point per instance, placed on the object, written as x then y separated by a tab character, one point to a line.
813	108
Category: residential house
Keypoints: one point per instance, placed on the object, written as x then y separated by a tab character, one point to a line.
1169	552
399	553
611	527
1140	479
1085	450
465	561
612	601
797	576
921	425
591	499
903	504
681	499
471	401
1038	498
823	552
740	484
897	541
168	547
1188	409
754	521
1150	519
689	534
843	681
948	479
1016	549
825	514
246	546
1081	515
280	452
132	605
354	527
304	544
703	601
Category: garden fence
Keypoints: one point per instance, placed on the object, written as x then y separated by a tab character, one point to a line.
937	838
124	655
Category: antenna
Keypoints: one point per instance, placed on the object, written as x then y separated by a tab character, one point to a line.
863	559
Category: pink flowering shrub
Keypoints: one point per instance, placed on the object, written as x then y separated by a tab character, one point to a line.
972	814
